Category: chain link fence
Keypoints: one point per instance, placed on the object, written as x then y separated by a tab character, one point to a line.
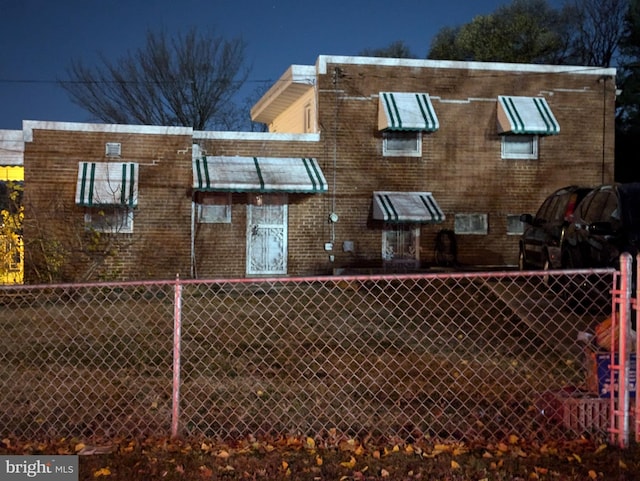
452	355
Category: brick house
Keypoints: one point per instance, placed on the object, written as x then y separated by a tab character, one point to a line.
365	162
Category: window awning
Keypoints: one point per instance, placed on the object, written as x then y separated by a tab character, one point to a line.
406	111
258	174
107	183
418	207
526	115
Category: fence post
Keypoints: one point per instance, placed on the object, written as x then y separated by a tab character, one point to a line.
620	397
177	335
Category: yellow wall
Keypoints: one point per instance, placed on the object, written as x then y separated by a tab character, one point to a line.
11	262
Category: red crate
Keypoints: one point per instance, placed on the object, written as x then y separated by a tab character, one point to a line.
585	414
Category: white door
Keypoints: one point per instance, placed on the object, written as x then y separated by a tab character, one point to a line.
267	234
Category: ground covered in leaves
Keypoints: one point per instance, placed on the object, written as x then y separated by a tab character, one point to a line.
334	457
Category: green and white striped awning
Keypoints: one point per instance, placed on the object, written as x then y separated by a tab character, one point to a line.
406	111
258	174
526	115
418	207
107	183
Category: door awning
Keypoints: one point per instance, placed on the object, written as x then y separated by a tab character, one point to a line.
258	174
418	207
107	183
406	111
526	115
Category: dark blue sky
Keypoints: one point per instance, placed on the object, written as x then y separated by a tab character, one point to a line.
38	38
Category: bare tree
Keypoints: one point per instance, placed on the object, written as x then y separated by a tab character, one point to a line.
188	80
600	27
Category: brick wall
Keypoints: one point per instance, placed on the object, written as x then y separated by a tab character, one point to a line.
461	162
159	244
220	249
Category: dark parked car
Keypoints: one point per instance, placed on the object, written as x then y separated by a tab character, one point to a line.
605	224
541	241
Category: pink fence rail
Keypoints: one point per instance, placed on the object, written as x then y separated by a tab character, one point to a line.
448	355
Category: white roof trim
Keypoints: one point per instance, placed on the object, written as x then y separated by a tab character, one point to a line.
324	60
28	126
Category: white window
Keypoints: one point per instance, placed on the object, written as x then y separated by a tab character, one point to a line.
109	219
402	143
213	207
400	244
514	225
519	146
471	224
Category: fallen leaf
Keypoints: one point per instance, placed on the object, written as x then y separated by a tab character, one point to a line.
102	472
319	461
593	474
311	444
513	439
349	464
222	454
384	473
454	465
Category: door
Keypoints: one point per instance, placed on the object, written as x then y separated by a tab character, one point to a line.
266	234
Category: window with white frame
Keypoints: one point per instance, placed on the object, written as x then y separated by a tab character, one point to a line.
110	219
514	225
400	143
213	207
471	224
400	243
520	146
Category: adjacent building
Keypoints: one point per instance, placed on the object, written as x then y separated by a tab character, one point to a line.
366	162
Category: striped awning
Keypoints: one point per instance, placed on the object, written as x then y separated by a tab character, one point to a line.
258	174
406	111
418	207
107	183
526	115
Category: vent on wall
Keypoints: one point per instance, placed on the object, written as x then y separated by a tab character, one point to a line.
113	149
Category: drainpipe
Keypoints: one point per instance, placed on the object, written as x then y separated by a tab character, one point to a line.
195	154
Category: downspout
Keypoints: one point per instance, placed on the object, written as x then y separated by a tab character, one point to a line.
195	154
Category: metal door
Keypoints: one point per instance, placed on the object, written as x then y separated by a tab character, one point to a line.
267	234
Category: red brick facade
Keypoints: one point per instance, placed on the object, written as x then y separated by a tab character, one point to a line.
460	165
